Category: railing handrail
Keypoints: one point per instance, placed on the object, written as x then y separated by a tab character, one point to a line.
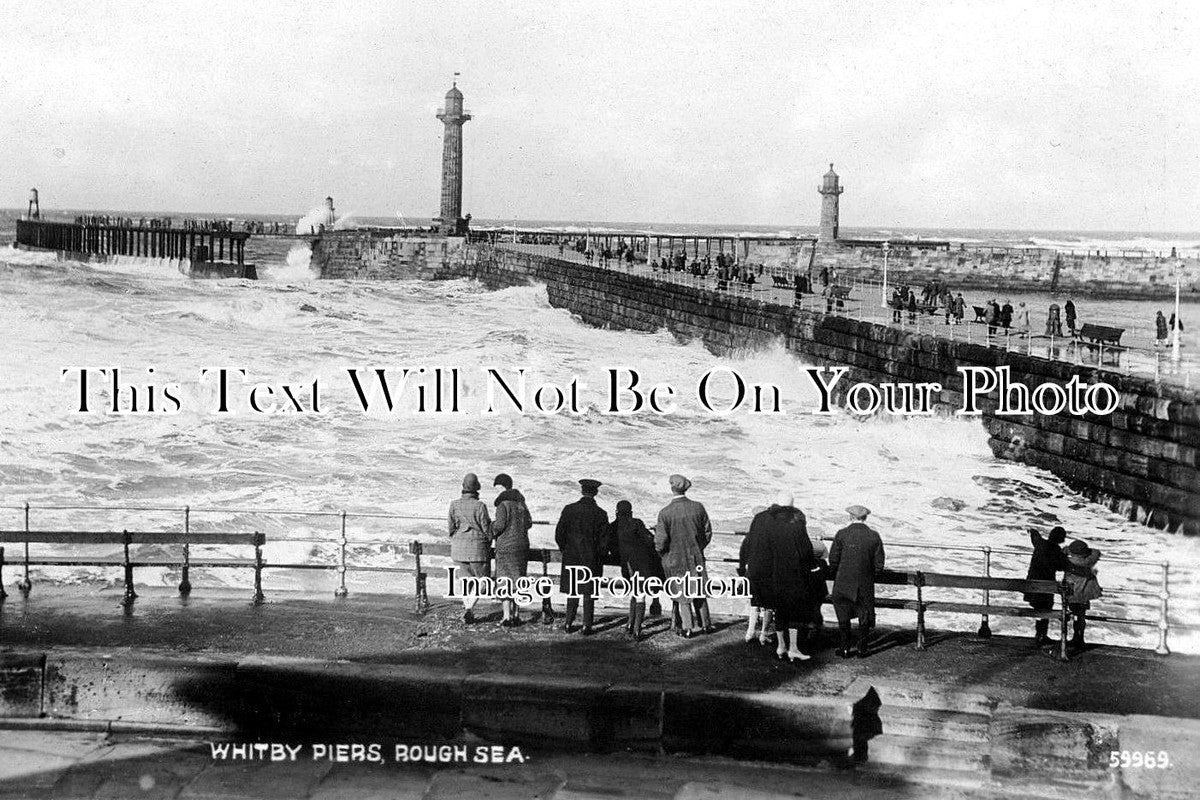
347	514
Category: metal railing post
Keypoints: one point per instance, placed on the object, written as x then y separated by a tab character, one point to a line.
1064	615
341	590
258	568
130	594
1163	623
985	630
547	609
920	581
185	584
422	600
25	585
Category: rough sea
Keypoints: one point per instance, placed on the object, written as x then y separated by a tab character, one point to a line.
930	482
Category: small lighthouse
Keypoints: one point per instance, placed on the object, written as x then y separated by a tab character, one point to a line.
450	220
829	191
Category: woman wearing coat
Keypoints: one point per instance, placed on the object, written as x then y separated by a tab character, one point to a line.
470	530
637	556
780	564
758	611
510	534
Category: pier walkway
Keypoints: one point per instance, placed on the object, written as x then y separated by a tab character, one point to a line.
960	715
1138	357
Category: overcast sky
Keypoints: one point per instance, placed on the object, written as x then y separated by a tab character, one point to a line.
941	114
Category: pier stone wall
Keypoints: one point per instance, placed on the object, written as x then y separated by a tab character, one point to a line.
383	255
1140	460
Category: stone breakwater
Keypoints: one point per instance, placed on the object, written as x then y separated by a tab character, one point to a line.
1141	460
383	255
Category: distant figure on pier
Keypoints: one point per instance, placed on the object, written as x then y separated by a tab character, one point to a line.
1053	321
582	536
1161	333
912	307
824	276
1046	561
1069	310
897	303
682	532
993	316
1172	323
635	551
510	539
855	558
470	534
960	309
1080	576
1022	318
1006	315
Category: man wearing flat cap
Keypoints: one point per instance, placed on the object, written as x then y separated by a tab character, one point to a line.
855	558
470	538
682	532
582	536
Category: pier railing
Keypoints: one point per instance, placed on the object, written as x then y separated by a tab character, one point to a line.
364	542
864	303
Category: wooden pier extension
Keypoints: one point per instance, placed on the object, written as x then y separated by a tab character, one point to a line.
202	252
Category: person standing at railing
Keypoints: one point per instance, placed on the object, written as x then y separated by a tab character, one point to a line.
1161	333
636	555
960	309
855	558
470	536
759	612
781	564
582	536
1047	560
1082	586
682	532
1069	310
1006	315
510	534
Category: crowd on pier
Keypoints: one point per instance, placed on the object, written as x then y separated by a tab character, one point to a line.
787	572
187	224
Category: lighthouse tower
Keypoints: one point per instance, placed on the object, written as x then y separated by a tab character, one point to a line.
450	220
829	191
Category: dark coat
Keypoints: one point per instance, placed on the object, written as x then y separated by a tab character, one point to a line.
779	563
582	536
681	534
855	558
511	528
635	548
1047	559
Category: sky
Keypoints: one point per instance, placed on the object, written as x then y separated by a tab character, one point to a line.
1042	115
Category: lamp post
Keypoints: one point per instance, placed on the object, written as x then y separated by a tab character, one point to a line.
883	298
1178	321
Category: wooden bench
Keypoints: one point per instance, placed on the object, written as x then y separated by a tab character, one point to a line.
1101	334
127	539
537	555
921	580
